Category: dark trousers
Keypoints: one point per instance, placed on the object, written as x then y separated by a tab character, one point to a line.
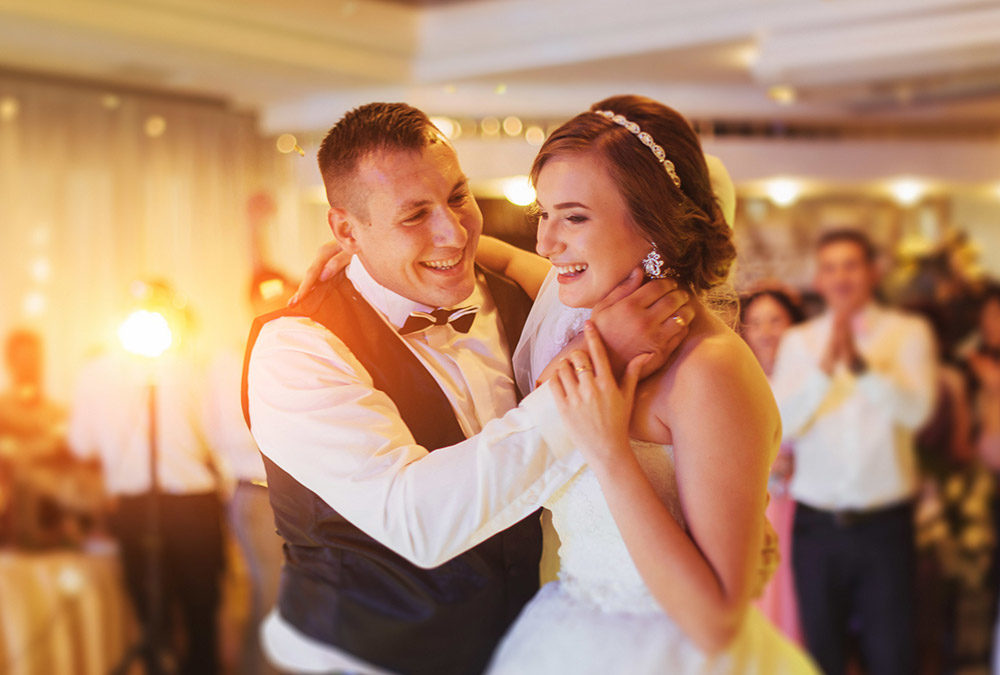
858	566
191	557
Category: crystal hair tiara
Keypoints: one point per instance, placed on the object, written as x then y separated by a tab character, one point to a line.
647	140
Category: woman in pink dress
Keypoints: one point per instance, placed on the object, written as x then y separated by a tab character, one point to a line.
765	316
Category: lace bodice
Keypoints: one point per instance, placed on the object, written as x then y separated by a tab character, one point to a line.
595	565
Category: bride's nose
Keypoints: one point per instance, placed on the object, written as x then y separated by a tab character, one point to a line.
548	244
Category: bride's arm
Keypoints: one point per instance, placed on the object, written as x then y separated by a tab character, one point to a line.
723	426
526	269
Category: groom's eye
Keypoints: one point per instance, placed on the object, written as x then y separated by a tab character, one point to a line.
415	218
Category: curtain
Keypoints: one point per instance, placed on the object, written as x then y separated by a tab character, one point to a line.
99	187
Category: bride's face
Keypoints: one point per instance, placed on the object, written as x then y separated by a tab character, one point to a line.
585	229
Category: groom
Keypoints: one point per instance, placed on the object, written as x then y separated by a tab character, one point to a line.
404	476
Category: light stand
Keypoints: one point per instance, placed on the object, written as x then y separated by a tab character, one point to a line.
148	334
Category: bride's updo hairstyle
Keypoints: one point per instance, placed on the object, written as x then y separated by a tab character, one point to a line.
685	223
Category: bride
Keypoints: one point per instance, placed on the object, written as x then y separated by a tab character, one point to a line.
660	532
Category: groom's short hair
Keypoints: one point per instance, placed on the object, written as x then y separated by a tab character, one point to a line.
362	131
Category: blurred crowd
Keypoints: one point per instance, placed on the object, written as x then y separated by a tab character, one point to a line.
884	494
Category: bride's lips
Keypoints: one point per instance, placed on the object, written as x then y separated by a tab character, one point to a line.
569	272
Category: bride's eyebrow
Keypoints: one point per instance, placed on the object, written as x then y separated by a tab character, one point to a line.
570	205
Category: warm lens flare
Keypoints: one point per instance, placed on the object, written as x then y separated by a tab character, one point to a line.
145	333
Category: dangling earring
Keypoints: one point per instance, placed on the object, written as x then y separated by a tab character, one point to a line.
653	263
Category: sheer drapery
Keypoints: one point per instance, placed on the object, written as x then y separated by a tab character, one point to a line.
99	187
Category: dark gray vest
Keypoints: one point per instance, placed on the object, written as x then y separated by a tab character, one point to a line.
342	587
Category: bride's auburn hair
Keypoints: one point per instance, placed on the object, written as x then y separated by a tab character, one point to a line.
685	223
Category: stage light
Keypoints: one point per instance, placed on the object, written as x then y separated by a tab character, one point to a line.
145	333
783	191
519	190
907	191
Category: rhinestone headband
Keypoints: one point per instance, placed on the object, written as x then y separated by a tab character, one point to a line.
647	140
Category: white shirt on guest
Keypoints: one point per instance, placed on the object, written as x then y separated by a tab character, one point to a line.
109	419
853	435
317	415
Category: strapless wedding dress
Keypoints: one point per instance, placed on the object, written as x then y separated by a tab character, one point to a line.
599	617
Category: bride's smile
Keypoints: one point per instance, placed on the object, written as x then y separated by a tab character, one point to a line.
584	228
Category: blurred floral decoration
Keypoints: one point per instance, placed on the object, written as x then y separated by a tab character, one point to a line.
954	522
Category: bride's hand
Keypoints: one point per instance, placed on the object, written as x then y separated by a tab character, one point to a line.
330	260
595	409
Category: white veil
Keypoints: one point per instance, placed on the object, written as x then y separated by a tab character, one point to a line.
548	328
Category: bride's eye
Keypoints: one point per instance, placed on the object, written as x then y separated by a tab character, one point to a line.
577	218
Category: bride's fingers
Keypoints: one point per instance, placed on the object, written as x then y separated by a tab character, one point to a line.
334	265
323	256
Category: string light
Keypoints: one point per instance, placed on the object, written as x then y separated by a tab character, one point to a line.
490	126
155	126
287	143
535	135
9	108
512	126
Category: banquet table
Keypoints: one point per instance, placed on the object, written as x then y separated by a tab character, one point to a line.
62	612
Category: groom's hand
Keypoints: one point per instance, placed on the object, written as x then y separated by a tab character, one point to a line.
637	318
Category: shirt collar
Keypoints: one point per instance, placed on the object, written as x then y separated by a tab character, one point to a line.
395	307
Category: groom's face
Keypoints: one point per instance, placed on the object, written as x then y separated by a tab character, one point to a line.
420	226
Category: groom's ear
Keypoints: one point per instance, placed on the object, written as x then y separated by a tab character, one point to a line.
344	228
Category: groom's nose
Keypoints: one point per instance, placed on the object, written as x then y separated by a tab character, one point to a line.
448	230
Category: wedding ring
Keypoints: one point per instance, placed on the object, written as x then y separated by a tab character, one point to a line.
679	320
583	369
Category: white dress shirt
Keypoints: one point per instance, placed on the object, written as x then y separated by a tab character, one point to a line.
317	414
225	427
109	419
854	434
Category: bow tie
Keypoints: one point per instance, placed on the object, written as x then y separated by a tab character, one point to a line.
460	319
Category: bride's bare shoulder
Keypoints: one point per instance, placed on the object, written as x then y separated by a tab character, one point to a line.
713	364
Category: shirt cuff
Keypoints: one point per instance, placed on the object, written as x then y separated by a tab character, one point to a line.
540	406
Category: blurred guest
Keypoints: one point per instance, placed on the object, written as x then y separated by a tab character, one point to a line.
853	385
765	316
110	420
32	450
250	514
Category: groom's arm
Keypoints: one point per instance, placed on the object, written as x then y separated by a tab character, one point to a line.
316	413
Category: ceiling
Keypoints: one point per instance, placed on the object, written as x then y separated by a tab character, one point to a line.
301	63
